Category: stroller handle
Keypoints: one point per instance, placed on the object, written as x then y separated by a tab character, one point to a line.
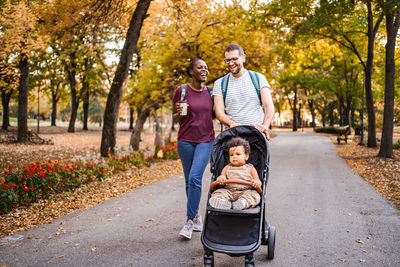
235	181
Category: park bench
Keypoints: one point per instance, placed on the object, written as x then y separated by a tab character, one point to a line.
343	132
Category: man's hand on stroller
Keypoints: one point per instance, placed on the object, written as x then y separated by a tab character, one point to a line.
221	179
262	129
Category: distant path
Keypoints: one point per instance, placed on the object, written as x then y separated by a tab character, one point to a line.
325	215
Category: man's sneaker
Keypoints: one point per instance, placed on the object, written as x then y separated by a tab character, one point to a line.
239	204
197	223
220	203
187	229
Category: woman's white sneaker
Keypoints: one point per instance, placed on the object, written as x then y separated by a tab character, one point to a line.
187	229
197	223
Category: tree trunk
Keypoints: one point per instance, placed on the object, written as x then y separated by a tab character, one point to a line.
312	110
55	96
331	116
294	109
108	138
299	118
86	96
86	110
368	77
141	119
392	26
5	101
347	110
158	143
23	98
131	120
74	99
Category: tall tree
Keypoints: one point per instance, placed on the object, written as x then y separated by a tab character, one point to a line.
341	22
20	37
8	84
108	138
392	25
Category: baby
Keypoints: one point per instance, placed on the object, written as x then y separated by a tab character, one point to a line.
237	196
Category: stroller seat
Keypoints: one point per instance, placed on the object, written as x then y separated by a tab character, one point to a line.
238	232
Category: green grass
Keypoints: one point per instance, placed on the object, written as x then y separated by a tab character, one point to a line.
13	119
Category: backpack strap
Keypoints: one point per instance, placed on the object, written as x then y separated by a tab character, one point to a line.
210	90
256	82
224	85
254	79
183	91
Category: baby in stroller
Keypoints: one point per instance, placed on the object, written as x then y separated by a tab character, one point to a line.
234	195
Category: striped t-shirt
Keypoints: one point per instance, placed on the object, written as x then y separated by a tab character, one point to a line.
242	103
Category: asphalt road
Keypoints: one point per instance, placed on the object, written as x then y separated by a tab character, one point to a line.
325	215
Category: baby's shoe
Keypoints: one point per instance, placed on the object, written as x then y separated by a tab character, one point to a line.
220	203
239	204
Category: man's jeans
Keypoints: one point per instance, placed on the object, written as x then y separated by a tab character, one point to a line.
194	157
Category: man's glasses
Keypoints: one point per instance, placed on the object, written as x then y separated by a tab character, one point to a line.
229	60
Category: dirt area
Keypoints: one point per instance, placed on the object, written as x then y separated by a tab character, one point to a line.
65	147
382	173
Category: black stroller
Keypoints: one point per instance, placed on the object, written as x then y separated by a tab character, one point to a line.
238	232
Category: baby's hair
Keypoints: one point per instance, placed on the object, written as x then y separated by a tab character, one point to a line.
238	141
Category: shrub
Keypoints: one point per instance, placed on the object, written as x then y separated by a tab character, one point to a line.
170	151
39	180
329	129
396	145
122	162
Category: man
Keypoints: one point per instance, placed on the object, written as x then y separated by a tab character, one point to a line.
241	105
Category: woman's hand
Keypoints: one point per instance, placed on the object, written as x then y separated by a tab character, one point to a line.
221	179
178	108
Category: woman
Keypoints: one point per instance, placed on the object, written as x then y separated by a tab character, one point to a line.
195	138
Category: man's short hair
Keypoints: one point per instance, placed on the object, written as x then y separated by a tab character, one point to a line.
238	141
232	47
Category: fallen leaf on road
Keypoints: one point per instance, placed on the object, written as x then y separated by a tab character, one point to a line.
76	245
359	241
61	256
93	249
149	220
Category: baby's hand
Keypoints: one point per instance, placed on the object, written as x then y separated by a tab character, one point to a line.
256	184
221	179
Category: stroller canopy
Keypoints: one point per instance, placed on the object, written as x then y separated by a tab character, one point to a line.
259	152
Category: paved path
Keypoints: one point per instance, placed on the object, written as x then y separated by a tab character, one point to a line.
319	206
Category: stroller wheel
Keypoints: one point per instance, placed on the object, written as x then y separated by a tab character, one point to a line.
249	260
208	259
271	242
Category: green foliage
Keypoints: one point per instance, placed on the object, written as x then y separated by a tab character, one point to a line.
396	145
170	151
330	129
123	162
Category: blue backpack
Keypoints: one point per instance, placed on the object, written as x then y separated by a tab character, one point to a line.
254	79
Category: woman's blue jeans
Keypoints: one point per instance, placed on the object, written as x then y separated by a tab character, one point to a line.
194	158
